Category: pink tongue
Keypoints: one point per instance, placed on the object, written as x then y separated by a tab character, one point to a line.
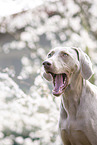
58	83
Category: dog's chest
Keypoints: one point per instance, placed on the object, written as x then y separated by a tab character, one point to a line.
75	132
72	126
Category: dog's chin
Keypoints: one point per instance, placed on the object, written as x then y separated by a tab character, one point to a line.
60	83
57	94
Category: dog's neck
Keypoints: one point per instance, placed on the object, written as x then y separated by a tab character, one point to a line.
71	96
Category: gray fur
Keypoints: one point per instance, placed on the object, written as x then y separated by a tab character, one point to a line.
78	111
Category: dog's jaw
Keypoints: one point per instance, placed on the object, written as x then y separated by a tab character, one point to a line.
60	82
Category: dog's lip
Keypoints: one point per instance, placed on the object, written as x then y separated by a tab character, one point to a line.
60	82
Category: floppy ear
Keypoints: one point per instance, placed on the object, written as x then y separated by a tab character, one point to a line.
85	64
47	76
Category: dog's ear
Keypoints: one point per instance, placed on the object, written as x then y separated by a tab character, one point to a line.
85	64
47	76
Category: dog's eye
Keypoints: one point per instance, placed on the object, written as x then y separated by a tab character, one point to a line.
49	55
65	54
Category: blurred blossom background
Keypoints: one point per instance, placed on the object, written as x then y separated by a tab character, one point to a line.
29	113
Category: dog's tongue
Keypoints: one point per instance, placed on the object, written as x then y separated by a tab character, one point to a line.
58	84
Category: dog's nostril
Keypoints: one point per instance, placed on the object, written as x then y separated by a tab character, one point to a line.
46	63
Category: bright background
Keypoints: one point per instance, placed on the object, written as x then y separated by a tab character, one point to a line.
29	113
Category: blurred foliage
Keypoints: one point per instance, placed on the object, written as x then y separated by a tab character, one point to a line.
32	117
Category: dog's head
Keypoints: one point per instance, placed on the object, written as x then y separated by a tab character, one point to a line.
62	63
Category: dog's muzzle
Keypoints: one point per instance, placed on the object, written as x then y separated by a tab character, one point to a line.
60	81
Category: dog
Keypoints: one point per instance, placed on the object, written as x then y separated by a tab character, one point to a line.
70	68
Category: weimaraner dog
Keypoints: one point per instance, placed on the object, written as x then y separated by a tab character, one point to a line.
70	68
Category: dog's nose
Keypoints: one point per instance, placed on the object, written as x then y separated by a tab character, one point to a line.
47	64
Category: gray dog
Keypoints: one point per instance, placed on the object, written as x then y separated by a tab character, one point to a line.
70	68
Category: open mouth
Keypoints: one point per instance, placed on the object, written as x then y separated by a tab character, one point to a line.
60	82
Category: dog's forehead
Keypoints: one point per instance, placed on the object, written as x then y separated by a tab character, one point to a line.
68	50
